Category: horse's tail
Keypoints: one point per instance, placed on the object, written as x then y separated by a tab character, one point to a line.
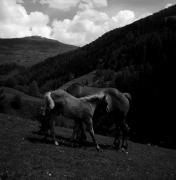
128	96
49	100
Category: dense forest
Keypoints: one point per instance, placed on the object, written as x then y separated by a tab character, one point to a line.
142	55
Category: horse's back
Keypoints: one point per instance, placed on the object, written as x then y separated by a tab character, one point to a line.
71	106
79	90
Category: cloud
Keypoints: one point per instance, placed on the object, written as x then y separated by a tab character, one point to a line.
168	5
123	18
89	24
87	4
143	16
84	27
60	4
16	22
66	5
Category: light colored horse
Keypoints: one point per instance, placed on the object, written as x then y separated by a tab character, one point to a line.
79	109
118	105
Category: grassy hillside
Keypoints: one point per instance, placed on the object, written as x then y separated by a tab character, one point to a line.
10	92
24	154
18	103
30	50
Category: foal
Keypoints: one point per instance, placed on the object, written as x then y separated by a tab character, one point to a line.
79	109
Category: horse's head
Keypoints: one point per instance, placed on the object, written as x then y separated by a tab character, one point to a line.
105	103
102	105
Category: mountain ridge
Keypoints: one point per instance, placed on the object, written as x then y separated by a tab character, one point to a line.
30	50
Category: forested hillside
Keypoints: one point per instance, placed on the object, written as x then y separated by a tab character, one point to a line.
142	54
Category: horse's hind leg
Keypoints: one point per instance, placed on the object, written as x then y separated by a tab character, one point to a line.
89	124
116	142
78	132
75	129
125	130
52	124
83	136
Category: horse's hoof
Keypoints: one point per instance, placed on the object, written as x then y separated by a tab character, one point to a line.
56	143
124	150
98	148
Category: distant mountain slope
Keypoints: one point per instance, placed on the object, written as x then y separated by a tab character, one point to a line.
116	49
28	51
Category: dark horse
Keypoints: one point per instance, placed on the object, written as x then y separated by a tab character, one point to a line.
79	109
118	105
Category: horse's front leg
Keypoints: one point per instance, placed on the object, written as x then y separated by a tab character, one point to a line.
125	130
75	129
52	124
89	124
116	142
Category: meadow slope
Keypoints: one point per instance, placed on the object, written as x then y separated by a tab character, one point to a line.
25	155
31	50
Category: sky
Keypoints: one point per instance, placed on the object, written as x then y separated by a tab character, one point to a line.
76	22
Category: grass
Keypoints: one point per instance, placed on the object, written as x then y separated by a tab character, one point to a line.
28	51
24	154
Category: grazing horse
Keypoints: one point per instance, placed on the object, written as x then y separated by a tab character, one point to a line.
118	105
79	109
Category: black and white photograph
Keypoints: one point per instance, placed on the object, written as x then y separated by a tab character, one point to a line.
87	89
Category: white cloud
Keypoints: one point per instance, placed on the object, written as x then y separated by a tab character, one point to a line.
60	4
168	5
16	22
87	4
123	18
144	15
66	5
88	25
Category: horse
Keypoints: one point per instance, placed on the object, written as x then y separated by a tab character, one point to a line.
80	109
118	105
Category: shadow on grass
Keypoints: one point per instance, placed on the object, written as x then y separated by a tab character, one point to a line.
64	141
